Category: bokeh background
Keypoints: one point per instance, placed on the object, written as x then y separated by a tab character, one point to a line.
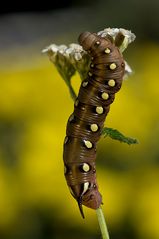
34	107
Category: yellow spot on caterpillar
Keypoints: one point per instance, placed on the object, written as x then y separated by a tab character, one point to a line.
94	127
65	169
86	167
76	102
97	42
66	140
92	65
88	144
112	66
71	118
85	83
107	51
105	96
99	110
111	82
90	73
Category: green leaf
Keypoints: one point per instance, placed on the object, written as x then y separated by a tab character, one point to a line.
115	134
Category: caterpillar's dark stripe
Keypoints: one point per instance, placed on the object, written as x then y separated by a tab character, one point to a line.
85	124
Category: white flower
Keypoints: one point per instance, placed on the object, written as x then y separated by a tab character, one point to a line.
113	32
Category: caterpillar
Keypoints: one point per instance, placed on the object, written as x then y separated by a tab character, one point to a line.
85	125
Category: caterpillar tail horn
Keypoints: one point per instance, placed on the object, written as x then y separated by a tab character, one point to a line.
79	200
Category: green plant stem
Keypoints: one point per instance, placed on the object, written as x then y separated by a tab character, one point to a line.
102	223
72	92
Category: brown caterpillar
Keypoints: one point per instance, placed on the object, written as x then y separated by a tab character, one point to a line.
85	125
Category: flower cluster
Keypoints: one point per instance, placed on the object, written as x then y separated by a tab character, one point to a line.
114	32
69	59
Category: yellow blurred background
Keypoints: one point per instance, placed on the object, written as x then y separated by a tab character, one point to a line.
34	107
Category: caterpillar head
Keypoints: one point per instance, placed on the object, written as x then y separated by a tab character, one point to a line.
86	39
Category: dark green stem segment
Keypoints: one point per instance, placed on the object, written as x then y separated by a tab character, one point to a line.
102	223
67	79
72	92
